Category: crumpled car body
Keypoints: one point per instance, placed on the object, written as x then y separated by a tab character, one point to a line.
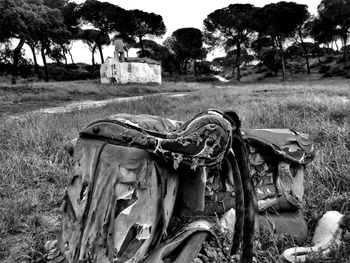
133	173
118	200
277	160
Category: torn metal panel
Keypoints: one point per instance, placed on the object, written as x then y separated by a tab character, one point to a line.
294	146
124	211
166	249
147	122
201	141
132	175
278	181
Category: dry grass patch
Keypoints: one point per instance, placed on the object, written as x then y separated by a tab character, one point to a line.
35	169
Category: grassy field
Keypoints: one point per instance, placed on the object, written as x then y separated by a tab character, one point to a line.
28	96
34	168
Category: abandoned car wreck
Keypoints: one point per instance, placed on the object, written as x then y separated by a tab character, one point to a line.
150	189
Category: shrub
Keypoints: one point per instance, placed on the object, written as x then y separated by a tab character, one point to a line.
72	66
347	67
269	75
324	69
336	71
329	59
191	78
92	68
62	74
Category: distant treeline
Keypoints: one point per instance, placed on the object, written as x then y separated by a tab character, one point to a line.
268	35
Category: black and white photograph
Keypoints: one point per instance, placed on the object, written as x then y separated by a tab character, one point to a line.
153	131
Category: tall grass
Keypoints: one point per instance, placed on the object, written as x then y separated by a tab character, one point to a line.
34	168
34	95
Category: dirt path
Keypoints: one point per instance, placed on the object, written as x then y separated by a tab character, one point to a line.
87	104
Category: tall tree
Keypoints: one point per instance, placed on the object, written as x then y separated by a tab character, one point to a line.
322	32
187	45
71	18
336	13
279	21
169	43
107	18
50	33
33	45
94	39
57	44
28	19
226	62
231	26
14	24
303	31
266	51
145	23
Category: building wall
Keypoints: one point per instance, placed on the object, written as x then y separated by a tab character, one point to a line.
130	72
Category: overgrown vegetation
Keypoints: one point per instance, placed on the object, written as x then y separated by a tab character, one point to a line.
35	169
28	96
271	36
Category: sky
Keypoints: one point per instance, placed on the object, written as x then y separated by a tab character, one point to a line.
176	14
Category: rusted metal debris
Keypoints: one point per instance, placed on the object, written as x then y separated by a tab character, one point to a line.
133	174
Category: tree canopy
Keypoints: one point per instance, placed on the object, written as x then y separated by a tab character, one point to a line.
29	20
280	21
186	44
107	18
145	23
334	15
231	26
94	39
275	33
157	52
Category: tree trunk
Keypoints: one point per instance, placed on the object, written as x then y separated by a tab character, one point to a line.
317	52
71	57
101	53
64	57
185	67
45	64
16	56
283	66
280	47
195	67
178	67
307	63
36	66
345	38
238	56
93	55
141	45
305	51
